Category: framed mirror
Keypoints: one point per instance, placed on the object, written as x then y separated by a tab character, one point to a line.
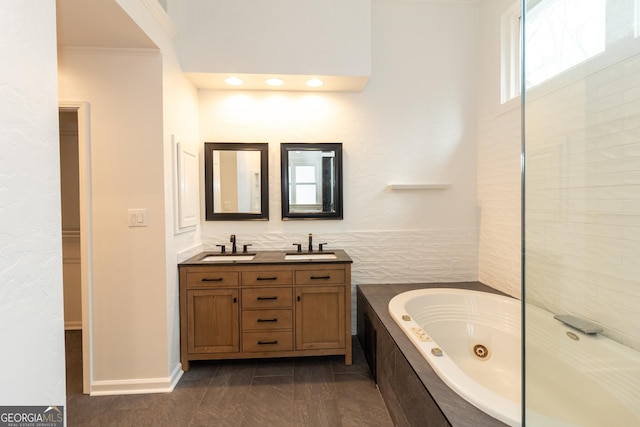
236	181
311	180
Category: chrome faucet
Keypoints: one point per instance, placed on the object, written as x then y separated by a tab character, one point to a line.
310	242
232	239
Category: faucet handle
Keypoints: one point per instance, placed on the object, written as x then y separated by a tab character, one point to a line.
232	238
320	246
245	246
299	245
222	248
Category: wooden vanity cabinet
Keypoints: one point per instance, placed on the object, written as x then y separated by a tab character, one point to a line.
212	321
211	306
267	311
320	320
263	311
320	308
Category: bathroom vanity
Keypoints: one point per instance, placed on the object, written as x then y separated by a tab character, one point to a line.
264	305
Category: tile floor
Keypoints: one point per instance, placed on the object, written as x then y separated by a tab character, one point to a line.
296	392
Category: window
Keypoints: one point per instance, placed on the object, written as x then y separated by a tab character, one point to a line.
561	34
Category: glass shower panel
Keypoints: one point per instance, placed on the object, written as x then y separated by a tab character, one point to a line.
582	212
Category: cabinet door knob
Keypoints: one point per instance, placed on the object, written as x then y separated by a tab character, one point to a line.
267	320
267	278
215	279
267	342
266	298
320	277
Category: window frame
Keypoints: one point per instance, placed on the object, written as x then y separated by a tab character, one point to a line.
511	53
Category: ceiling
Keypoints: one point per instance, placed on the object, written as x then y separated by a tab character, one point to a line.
104	24
98	23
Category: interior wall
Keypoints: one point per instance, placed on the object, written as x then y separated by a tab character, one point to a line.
179	125
128	297
32	365
332	37
414	123
499	159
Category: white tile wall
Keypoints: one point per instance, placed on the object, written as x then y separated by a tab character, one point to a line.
498	157
383	257
583	197
499	199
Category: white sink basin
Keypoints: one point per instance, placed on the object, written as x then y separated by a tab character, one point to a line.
227	258
303	256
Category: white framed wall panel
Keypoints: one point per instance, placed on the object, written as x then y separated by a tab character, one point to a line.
188	189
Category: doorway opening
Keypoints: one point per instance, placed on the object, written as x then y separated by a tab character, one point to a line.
75	191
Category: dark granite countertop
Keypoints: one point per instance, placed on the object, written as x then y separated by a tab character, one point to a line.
458	411
267	257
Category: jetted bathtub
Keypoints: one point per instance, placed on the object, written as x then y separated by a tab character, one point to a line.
472	341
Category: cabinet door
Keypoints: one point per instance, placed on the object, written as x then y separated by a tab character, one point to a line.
213	321
320	317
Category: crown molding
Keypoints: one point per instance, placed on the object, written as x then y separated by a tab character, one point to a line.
90	50
162	17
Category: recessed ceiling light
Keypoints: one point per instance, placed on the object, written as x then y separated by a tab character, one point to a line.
314	82
275	82
234	81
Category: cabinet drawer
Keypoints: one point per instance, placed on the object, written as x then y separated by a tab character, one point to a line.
268	278
320	277
267	298
267	319
267	341
209	278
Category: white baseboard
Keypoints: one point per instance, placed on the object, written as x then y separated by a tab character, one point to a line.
137	386
176	375
73	325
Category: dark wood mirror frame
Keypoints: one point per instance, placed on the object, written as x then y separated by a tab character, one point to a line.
331	208
263	149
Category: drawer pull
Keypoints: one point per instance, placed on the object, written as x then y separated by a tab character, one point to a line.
267	320
268	342
320	277
267	278
266	298
216	279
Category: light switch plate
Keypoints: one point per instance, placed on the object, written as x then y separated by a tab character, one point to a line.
137	217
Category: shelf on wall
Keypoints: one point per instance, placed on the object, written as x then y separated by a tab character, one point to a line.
395	187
